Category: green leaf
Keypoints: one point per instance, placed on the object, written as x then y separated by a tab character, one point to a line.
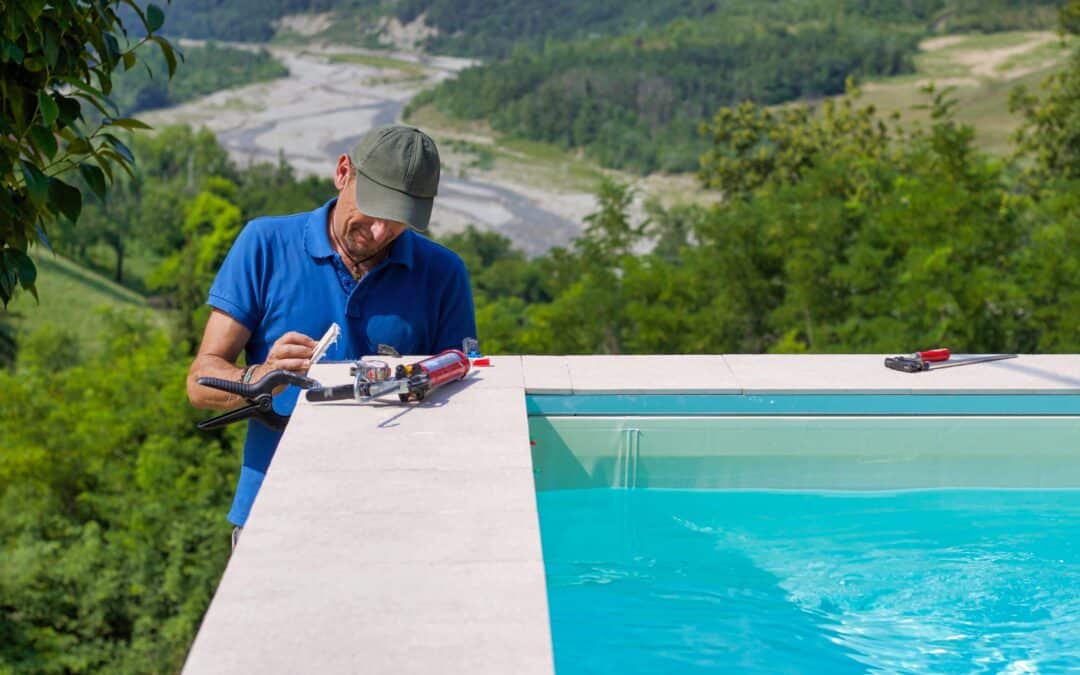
112	46
104	79
103	162
43	238
155	18
52	46
99	104
129	60
129	123
167	50
82	86
48	108
44	139
23	265
70	108
138	10
65	199
37	183
7	279
13	52
119	146
94	177
95	96
79	146
120	160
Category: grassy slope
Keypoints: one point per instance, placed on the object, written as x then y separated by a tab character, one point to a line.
474	145
983	69
70	297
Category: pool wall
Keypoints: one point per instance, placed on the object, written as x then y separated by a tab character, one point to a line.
406	539
805	453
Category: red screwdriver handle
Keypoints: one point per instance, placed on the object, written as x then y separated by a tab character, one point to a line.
934	355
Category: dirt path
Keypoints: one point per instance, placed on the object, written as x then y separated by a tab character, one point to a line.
987	63
331	97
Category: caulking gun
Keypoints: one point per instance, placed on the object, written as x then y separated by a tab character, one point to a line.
411	382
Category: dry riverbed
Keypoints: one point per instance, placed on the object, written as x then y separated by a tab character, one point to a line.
334	94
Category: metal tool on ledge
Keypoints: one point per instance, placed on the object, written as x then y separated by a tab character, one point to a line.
935	359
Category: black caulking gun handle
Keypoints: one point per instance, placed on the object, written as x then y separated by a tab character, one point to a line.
265	386
341	392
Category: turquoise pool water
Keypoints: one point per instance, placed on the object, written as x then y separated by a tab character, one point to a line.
686	581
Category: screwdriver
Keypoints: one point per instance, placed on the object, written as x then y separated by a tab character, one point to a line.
913	363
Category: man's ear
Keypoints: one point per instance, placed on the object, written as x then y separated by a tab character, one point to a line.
341	172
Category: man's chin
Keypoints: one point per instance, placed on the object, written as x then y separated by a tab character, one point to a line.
364	255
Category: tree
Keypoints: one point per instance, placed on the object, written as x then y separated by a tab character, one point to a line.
57	125
1050	132
753	146
112	538
212	224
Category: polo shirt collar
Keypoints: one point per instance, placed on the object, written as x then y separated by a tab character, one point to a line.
317	239
401	251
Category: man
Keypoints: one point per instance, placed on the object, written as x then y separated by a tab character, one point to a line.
355	262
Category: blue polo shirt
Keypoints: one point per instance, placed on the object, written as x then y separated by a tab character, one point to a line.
282	275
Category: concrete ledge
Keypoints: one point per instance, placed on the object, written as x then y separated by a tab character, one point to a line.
400	539
792	374
391	539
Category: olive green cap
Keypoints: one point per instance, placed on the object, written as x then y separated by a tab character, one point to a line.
397	174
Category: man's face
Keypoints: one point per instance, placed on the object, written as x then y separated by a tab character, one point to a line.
363	236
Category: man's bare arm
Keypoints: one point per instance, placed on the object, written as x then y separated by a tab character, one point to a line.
223	340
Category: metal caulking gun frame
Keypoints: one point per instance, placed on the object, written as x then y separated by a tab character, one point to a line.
411	382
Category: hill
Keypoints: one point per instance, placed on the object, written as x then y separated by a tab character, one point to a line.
72	299
494	30
982	70
629	81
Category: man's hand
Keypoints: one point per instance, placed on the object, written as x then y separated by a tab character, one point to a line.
292	351
223	340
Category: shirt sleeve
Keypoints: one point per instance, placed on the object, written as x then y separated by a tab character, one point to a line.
237	289
457	316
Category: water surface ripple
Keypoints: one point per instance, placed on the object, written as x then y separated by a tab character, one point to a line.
937	581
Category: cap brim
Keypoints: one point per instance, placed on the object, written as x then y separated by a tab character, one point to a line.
380	201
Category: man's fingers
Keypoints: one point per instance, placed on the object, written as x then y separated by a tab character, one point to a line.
292	337
295	365
281	351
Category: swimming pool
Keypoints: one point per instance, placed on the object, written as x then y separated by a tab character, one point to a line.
810	534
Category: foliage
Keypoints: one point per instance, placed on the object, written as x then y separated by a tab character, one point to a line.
1050	134
146	209
839	232
846	234
245	20
113	537
495	30
1069	19
990	16
636	102
752	145
212	224
58	60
